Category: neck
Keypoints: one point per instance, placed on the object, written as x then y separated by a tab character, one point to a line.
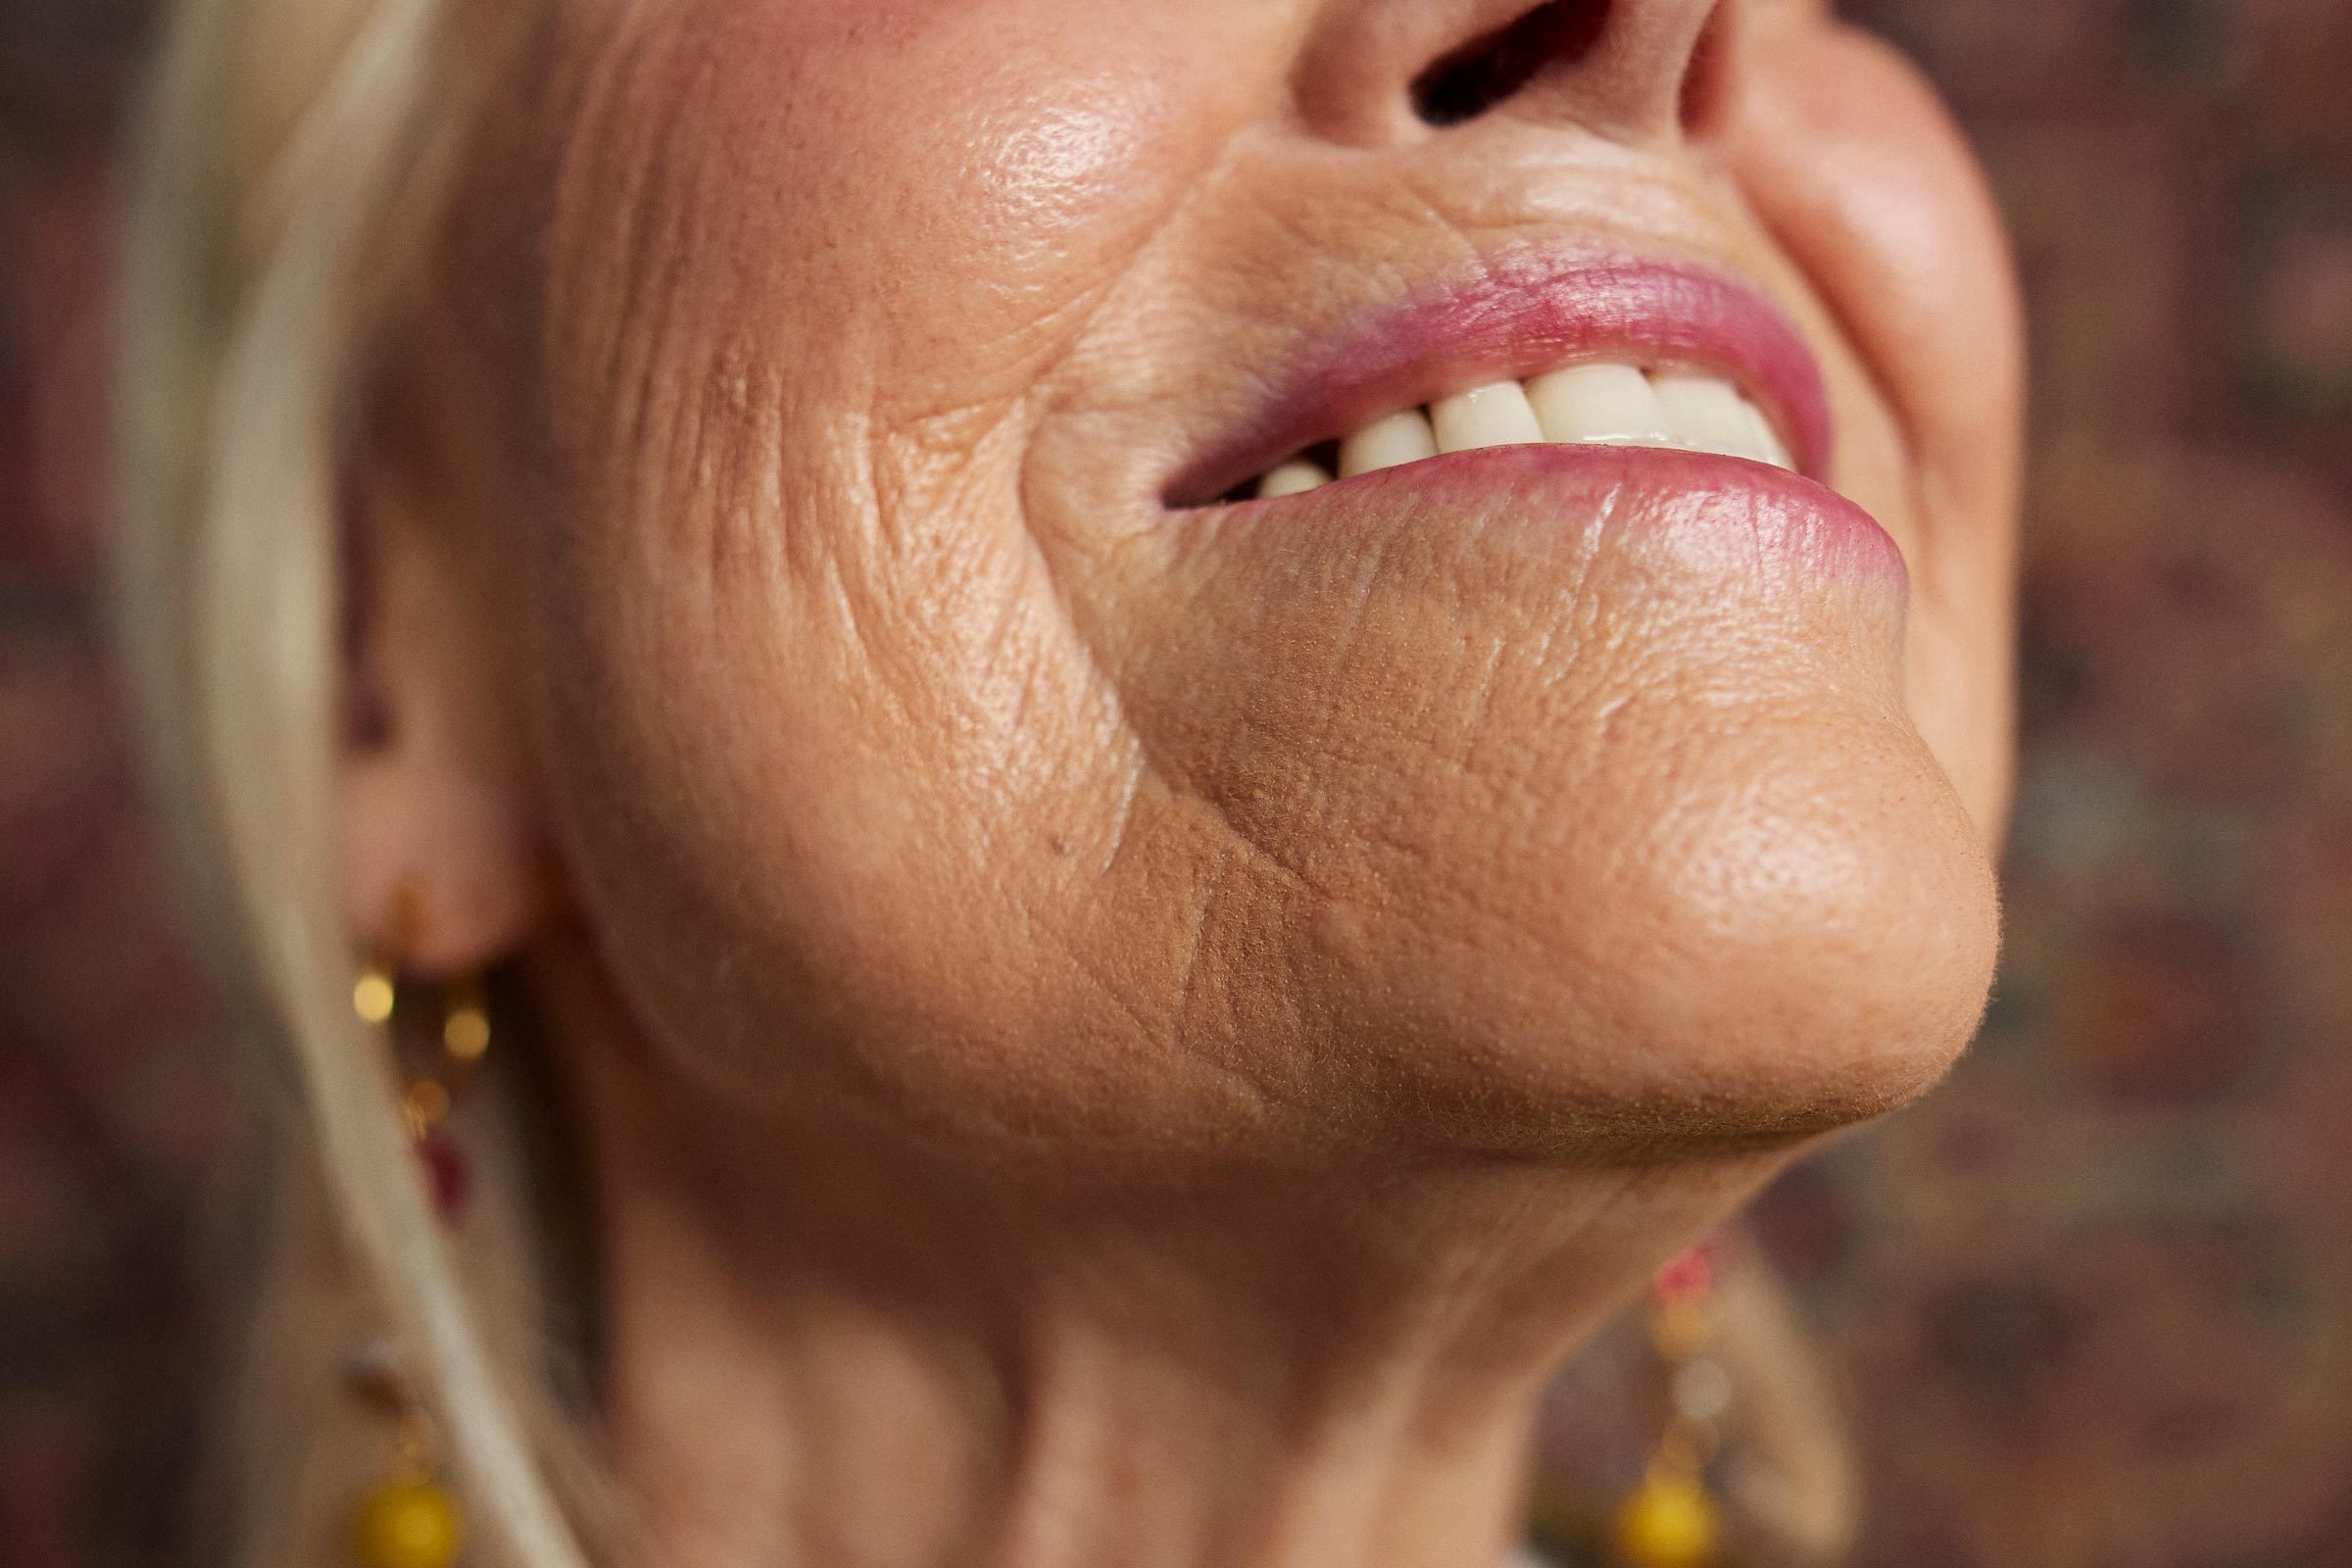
820	1350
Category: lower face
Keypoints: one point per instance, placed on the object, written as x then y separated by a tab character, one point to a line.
1102	605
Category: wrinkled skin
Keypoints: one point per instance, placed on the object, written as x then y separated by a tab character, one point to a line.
790	657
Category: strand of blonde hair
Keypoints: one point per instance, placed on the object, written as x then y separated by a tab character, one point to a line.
253	282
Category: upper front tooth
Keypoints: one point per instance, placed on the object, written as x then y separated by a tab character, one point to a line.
1707	414
1598	402
1768	443
1496	416
1383	444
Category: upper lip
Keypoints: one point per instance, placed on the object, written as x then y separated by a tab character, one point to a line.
1514	316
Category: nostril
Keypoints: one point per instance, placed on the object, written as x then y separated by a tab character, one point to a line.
1480	74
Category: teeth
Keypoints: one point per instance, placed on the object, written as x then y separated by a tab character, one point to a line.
1291	477
1399	438
1767	443
1598	404
1707	414
1496	416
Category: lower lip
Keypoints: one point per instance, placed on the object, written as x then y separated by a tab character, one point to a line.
1796	520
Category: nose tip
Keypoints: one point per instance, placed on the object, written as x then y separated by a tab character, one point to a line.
1631	69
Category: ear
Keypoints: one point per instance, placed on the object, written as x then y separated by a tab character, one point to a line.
444	863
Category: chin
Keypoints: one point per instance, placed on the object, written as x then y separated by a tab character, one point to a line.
1812	948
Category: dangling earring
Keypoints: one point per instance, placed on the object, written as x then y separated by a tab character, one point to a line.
412	1520
1671	1521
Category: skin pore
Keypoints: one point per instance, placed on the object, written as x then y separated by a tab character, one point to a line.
1106	1031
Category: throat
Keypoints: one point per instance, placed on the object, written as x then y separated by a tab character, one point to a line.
813	1431
1162	1389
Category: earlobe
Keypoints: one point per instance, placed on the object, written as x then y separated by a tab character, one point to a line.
441	833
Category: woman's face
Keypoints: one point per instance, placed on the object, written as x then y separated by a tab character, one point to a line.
931	750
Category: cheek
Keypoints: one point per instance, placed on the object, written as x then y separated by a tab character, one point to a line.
813	264
820	726
935	189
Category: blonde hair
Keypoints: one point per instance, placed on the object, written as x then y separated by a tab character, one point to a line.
292	163
296	159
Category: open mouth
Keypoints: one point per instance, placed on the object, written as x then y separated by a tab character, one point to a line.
1591	404
1531	346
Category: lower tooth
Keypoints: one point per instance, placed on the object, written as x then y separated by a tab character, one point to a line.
1497	416
1293	478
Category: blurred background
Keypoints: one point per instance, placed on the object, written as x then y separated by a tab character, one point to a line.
2090	1305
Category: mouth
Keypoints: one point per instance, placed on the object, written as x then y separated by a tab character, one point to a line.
1536	350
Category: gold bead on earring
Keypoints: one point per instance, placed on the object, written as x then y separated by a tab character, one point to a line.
408	1524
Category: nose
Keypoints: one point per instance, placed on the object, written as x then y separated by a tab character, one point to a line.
1378	72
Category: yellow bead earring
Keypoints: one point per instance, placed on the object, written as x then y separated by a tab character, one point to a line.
1671	1521
412	1520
